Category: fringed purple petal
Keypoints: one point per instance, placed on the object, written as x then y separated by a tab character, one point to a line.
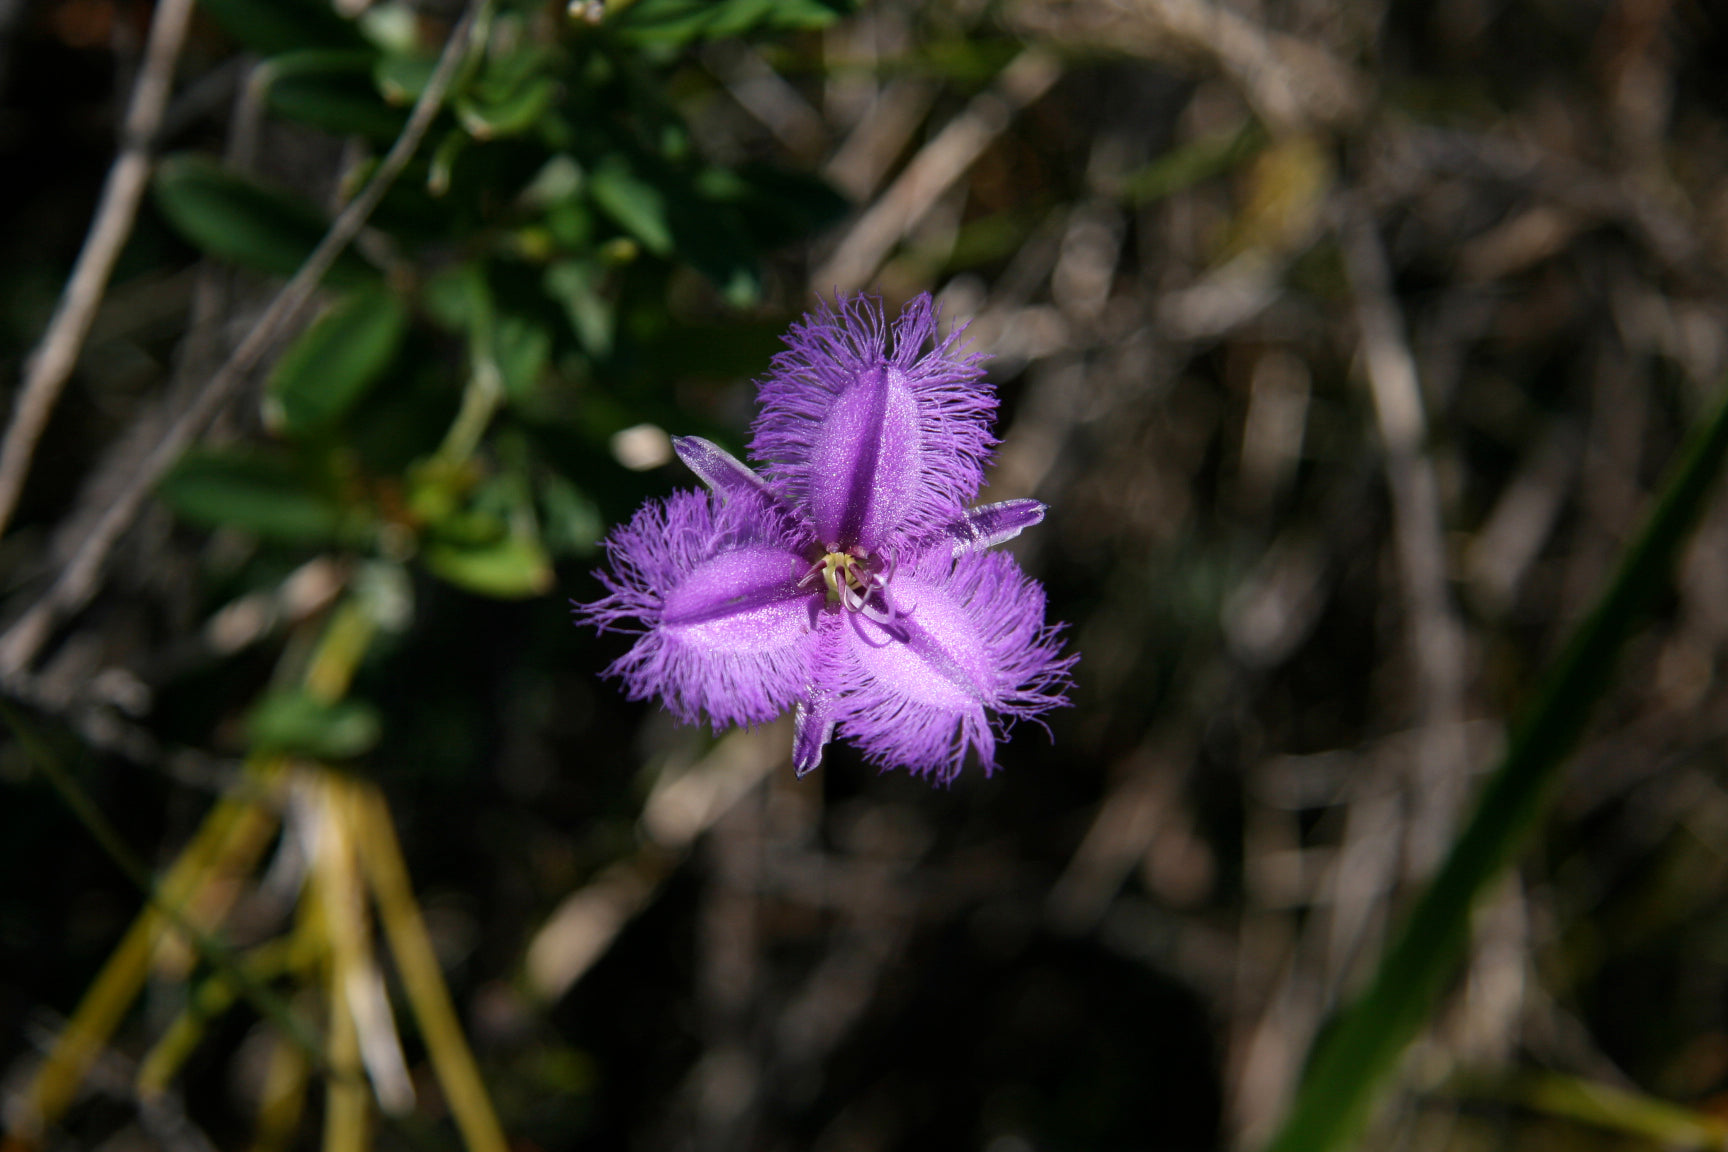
713	590
871	435
968	653
987	526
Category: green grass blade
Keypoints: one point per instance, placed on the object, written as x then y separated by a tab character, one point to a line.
1355	1055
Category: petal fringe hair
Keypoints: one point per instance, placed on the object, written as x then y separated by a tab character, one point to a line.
650	556
829	349
1004	609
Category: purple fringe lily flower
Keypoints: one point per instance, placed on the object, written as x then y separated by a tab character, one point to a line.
849	582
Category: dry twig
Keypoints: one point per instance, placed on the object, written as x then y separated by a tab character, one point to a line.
51	363
1437	639
934	170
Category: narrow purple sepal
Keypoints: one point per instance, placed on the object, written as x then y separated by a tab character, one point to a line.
723	473
873	436
812	729
991	524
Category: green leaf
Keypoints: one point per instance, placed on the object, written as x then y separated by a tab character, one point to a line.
672	23
513	567
333	363
403	78
524	348
270	27
332	90
264	494
510	116
447	295
296	722
576	285
1358	1052
573	525
635	205
232	218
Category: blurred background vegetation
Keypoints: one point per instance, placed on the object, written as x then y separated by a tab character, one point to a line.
1347	343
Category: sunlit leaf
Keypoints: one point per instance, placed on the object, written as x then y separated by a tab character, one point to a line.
524	348
511	568
403	78
295	722
514	114
676	22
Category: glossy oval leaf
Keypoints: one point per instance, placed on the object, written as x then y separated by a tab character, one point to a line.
524	350
232	218
576	284
335	361
402	78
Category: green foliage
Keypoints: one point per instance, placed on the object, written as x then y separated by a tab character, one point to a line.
330	367
332	89
239	220
263	493
296	722
272	26
510	568
675	23
567	190
636	205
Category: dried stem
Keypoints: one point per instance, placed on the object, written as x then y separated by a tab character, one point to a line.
1436	637
934	170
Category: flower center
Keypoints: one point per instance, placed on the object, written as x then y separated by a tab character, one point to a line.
844	573
854	580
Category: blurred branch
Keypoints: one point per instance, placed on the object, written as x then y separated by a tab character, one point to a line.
1562	179
1437	638
681	807
860	161
55	356
1344	1075
934	170
1293	84
80	578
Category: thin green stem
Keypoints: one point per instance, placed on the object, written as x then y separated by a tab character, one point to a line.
1355	1055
